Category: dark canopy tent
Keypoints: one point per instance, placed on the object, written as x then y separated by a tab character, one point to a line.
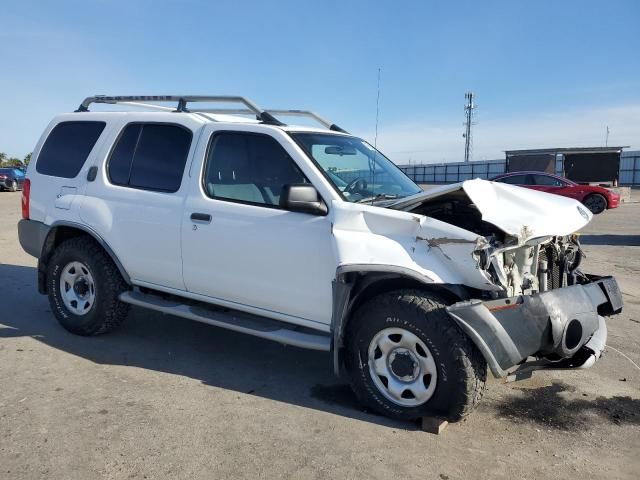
582	165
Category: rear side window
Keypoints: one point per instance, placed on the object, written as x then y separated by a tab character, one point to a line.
67	148
547	181
150	156
515	180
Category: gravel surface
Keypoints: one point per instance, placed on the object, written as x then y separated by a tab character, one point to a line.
168	398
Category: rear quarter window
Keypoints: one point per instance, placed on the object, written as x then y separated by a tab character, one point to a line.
67	148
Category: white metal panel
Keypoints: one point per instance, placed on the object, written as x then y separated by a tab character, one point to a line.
141	226
278	261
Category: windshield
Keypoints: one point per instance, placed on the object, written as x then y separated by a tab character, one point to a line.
358	171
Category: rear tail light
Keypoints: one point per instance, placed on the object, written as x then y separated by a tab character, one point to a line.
3	177
26	190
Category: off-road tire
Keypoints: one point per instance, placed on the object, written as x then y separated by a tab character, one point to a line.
107	312
601	205
461	369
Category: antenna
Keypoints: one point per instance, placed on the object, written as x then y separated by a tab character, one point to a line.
468	112
372	163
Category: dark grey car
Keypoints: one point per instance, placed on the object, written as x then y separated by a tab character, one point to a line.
11	179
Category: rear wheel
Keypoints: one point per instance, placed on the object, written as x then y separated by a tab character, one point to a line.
408	359
13	187
596	203
83	286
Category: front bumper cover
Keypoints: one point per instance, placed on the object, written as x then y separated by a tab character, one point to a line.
564	324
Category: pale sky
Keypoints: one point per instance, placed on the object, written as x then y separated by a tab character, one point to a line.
546	73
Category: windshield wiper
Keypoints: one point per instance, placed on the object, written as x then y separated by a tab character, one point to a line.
380	196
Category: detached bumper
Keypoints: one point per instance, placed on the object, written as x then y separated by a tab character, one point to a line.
565	324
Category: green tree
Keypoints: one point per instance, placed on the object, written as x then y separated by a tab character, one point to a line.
3	158
14	162
27	159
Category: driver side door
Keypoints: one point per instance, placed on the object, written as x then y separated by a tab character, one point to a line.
240	248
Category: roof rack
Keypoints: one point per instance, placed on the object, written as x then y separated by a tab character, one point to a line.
266	116
183	100
308	113
274	112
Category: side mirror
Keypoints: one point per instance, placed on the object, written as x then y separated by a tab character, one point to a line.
303	198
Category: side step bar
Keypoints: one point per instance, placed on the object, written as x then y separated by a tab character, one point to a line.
232	320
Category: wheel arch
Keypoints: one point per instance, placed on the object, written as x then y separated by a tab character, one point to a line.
354	285
601	194
63	230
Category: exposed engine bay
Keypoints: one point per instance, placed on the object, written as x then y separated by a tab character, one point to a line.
537	265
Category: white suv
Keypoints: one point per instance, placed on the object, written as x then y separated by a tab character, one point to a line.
310	237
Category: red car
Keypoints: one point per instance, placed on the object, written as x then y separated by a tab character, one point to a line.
597	199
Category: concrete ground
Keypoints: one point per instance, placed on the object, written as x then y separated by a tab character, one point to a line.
169	398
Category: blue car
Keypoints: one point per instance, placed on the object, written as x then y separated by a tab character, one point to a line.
11	179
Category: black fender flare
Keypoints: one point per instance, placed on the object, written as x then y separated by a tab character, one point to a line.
351	284
49	242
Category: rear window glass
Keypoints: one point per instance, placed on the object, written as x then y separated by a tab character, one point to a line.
67	148
150	157
514	180
547	181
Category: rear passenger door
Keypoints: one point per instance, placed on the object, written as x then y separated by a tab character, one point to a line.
240	247
135	203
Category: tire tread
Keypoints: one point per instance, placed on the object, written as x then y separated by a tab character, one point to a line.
111	312
470	377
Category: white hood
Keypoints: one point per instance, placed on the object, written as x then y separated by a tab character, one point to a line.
518	211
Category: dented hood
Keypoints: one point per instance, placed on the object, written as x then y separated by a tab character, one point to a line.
518	211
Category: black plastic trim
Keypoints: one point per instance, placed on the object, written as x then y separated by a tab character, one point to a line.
32	235
269	119
97	238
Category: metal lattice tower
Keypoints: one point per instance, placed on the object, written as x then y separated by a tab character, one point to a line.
468	113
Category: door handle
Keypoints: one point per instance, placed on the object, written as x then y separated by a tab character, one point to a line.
200	217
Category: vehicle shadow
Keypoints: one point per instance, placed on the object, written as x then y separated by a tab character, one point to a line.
547	406
626	240
165	343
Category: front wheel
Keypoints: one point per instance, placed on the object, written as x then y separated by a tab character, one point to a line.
83	286
13	187
596	203
408	359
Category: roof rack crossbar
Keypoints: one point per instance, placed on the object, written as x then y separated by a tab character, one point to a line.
301	113
182	101
308	113
277	113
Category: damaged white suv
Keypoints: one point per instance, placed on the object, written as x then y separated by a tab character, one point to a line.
309	237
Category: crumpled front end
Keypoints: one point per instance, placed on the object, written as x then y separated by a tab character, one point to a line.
537	303
563	327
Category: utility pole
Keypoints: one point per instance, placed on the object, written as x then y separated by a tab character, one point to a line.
606	141
468	113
